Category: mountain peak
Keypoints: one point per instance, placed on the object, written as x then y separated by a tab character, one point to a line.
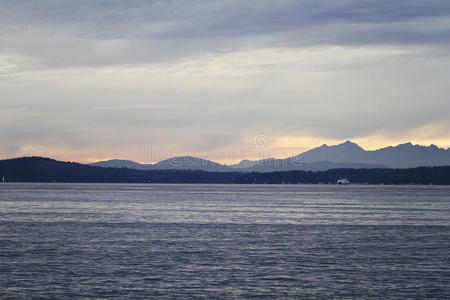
120	163
348	142
189	160
244	163
190	163
349	145
408	144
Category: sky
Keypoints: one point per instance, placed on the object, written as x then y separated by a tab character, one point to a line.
88	80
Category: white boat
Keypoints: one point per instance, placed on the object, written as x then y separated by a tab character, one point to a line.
343	181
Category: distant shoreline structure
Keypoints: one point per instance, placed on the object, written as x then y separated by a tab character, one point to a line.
343	181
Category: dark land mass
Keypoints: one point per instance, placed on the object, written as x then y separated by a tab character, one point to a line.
39	169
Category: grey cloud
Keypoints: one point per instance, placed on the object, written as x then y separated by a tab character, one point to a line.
211	17
353	98
93	33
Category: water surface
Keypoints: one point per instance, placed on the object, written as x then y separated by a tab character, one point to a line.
224	241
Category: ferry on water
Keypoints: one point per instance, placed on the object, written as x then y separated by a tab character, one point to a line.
343	181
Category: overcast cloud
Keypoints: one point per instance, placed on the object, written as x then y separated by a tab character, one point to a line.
88	80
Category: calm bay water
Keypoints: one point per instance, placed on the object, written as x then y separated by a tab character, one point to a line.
224	241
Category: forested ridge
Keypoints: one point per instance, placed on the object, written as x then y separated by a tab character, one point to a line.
39	169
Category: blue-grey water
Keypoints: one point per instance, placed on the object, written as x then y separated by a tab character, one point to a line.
68	241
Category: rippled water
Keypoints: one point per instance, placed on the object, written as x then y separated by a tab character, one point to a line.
224	241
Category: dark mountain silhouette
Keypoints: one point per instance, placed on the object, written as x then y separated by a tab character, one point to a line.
175	163
345	152
266	165
345	155
409	155
121	163
191	163
39	169
402	156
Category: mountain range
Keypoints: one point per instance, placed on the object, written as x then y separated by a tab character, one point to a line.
345	155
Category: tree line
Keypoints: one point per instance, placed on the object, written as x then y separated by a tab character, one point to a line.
39	169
